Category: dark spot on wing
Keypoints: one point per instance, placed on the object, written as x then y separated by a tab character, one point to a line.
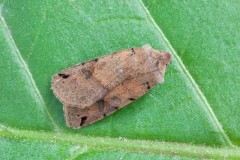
133	51
83	119
131	99
87	73
116	99
100	104
148	85
65	76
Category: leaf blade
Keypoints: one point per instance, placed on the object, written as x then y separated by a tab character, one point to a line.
205	46
61	34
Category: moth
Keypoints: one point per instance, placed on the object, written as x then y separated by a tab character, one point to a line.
94	89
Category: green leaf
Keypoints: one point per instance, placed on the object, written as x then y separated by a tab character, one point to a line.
193	113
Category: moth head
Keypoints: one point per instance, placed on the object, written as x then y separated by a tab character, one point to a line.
161	60
164	60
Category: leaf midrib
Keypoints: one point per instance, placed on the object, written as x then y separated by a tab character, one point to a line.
146	146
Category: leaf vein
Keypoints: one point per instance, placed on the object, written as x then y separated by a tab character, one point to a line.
99	143
201	95
27	71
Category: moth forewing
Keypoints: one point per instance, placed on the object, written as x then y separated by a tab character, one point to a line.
92	90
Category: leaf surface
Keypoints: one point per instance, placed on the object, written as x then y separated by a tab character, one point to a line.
196	105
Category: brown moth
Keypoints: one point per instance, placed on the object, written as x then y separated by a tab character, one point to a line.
92	90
